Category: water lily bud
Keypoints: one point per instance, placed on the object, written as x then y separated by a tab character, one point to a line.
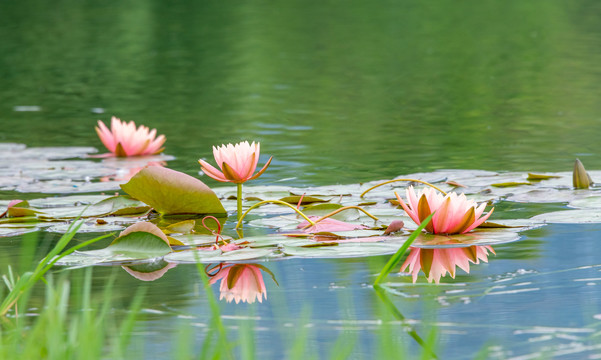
581	179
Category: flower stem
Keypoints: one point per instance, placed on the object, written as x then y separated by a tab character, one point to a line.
239	198
273	202
395	180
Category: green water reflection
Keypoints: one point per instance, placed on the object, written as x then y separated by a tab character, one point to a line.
341	92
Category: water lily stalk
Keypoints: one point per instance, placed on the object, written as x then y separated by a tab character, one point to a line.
395	180
239	224
580	178
340	210
239	199
399	254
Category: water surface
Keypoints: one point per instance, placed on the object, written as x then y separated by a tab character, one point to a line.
337	92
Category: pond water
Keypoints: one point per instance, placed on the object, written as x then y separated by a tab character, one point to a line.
338	93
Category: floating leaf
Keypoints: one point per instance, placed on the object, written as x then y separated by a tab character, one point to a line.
321	209
172	192
570	217
214	256
538	177
294	199
328	225
510	184
140	241
85	228
20	208
592	202
182	227
480	237
455	184
199	239
342	250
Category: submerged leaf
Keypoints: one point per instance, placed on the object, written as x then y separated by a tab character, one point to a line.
172	192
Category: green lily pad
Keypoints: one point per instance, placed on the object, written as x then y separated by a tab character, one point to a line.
181	227
140	241
172	192
510	184
294	199
538	177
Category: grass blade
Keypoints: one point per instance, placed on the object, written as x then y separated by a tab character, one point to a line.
399	254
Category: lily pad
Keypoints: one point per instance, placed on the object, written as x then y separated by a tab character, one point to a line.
584	216
141	241
591	202
203	256
341	250
199	239
172	192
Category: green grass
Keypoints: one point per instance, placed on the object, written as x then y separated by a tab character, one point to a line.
73	325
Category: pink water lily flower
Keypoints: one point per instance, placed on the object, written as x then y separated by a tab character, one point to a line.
241	282
455	214
436	263
237	163
124	139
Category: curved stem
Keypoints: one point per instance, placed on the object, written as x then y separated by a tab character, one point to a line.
239	199
340	210
395	180
273	202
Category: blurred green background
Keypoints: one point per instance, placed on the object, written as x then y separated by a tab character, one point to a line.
336	91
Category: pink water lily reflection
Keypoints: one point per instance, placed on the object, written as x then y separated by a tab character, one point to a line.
241	282
455	214
237	162
436	263
124	139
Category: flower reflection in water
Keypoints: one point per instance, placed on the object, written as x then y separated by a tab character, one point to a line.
436	263
240	282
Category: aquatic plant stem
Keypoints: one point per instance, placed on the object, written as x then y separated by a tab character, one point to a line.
239	199
239	224
340	210
396	180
